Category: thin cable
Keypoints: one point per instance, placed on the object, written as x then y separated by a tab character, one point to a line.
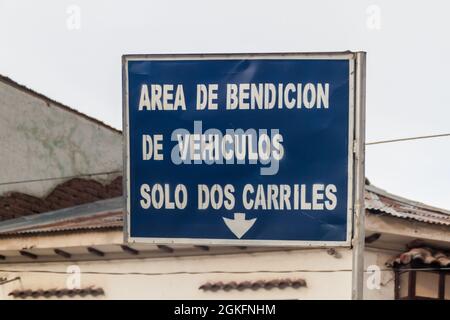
217	271
118	171
60	178
8	281
409	139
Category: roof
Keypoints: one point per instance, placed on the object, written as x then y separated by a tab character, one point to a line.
71	193
103	214
108	213
38	95
421	255
380	202
253	285
57	292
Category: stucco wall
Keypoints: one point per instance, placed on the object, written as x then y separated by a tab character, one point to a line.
378	286
39	139
320	285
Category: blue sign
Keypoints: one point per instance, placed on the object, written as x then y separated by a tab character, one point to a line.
239	149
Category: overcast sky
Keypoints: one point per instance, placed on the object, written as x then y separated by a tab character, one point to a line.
43	46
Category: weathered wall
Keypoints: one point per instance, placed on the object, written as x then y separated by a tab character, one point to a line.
39	139
378	286
320	285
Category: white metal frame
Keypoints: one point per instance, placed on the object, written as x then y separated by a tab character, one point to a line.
352	143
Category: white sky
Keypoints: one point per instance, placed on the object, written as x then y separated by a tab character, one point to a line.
408	62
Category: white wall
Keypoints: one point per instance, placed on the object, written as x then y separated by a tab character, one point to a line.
41	140
378	286
328	285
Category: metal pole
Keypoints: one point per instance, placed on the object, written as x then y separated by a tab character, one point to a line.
359	152
125	146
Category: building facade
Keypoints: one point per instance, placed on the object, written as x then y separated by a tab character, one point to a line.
62	238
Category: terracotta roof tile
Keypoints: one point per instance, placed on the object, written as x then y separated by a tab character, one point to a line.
253	285
68	194
422	255
55	292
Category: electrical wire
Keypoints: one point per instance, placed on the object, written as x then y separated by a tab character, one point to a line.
218	271
60	178
5	281
409	139
119	171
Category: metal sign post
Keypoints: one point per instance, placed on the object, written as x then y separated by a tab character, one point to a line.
359	148
244	149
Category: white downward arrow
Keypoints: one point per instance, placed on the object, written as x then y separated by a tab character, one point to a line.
239	226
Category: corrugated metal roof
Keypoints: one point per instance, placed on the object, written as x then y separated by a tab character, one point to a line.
378	201
109	220
102	214
107	214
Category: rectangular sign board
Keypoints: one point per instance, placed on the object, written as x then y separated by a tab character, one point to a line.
239	149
